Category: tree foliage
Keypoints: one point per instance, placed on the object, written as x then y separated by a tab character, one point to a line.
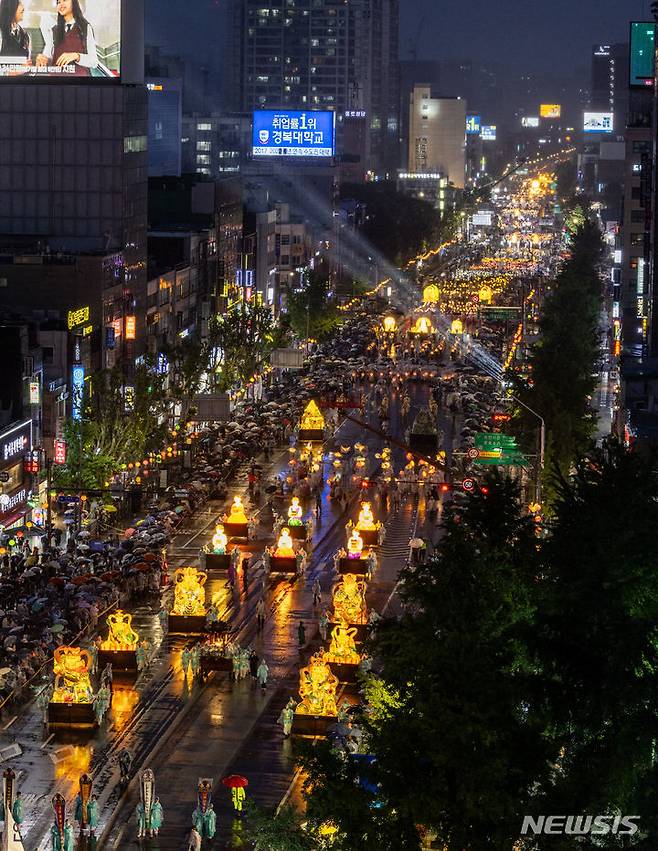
310	310
238	344
108	434
563	360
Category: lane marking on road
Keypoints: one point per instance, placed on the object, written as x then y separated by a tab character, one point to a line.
50	737
9	723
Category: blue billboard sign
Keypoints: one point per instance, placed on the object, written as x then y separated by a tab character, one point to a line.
293	133
488	132
78	384
473	123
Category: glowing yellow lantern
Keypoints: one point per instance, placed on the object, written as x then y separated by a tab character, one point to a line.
431	294
295	512
72	666
422	326
366	518
284	547
312	423
390	325
355	545
486	294
189	594
219	540
121	635
237	514
457	326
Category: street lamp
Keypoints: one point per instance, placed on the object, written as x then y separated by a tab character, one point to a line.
542	444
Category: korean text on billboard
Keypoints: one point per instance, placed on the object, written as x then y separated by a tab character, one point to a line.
473	123
550	110
488	132
287	133
62	39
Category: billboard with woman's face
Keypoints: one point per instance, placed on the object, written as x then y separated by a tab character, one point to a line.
60	39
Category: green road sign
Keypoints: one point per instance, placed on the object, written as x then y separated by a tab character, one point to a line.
494	441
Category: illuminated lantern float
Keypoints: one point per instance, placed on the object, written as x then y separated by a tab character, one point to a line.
189	610
284	558
355	559
71	704
422	327
431	294
424	435
299	529
349	604
370	530
217	555
236	523
119	648
312	423
342	655
317	709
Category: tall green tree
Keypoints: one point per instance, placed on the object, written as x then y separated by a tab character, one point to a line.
597	631
457	747
311	312
563	360
239	342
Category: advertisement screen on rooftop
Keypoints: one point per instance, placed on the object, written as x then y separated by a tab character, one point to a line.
530	121
550	110
473	123
598	122
293	133
62	40
642	54
488	132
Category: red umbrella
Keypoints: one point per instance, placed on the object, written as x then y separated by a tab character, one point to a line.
59	581
235	781
150	557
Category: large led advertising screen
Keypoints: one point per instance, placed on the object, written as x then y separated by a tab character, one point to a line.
293	133
642	54
60	39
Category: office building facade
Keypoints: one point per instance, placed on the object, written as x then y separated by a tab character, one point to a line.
437	135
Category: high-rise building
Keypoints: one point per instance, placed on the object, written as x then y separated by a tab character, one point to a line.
437	135
609	86
374	45
73	182
295	54
165	102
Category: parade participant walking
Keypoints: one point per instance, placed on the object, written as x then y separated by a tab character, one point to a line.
140	654
323	623
261	674
253	664
157	816
69	843
260	613
17	809
185	660
210	821
92	813
140	815
237	797
125	764
301	634
317	592
286	717
195	660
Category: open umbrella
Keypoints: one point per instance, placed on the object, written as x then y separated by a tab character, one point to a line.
416	543
235	781
110	508
57	627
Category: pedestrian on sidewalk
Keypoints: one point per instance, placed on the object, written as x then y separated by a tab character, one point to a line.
317	592
261	674
318	502
301	634
260	613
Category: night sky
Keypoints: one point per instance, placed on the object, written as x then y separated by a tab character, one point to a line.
540	35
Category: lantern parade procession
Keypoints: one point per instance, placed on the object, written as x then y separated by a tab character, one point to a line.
302	551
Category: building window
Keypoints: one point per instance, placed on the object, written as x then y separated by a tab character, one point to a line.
637	216
203	146
204	127
203	159
134	144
